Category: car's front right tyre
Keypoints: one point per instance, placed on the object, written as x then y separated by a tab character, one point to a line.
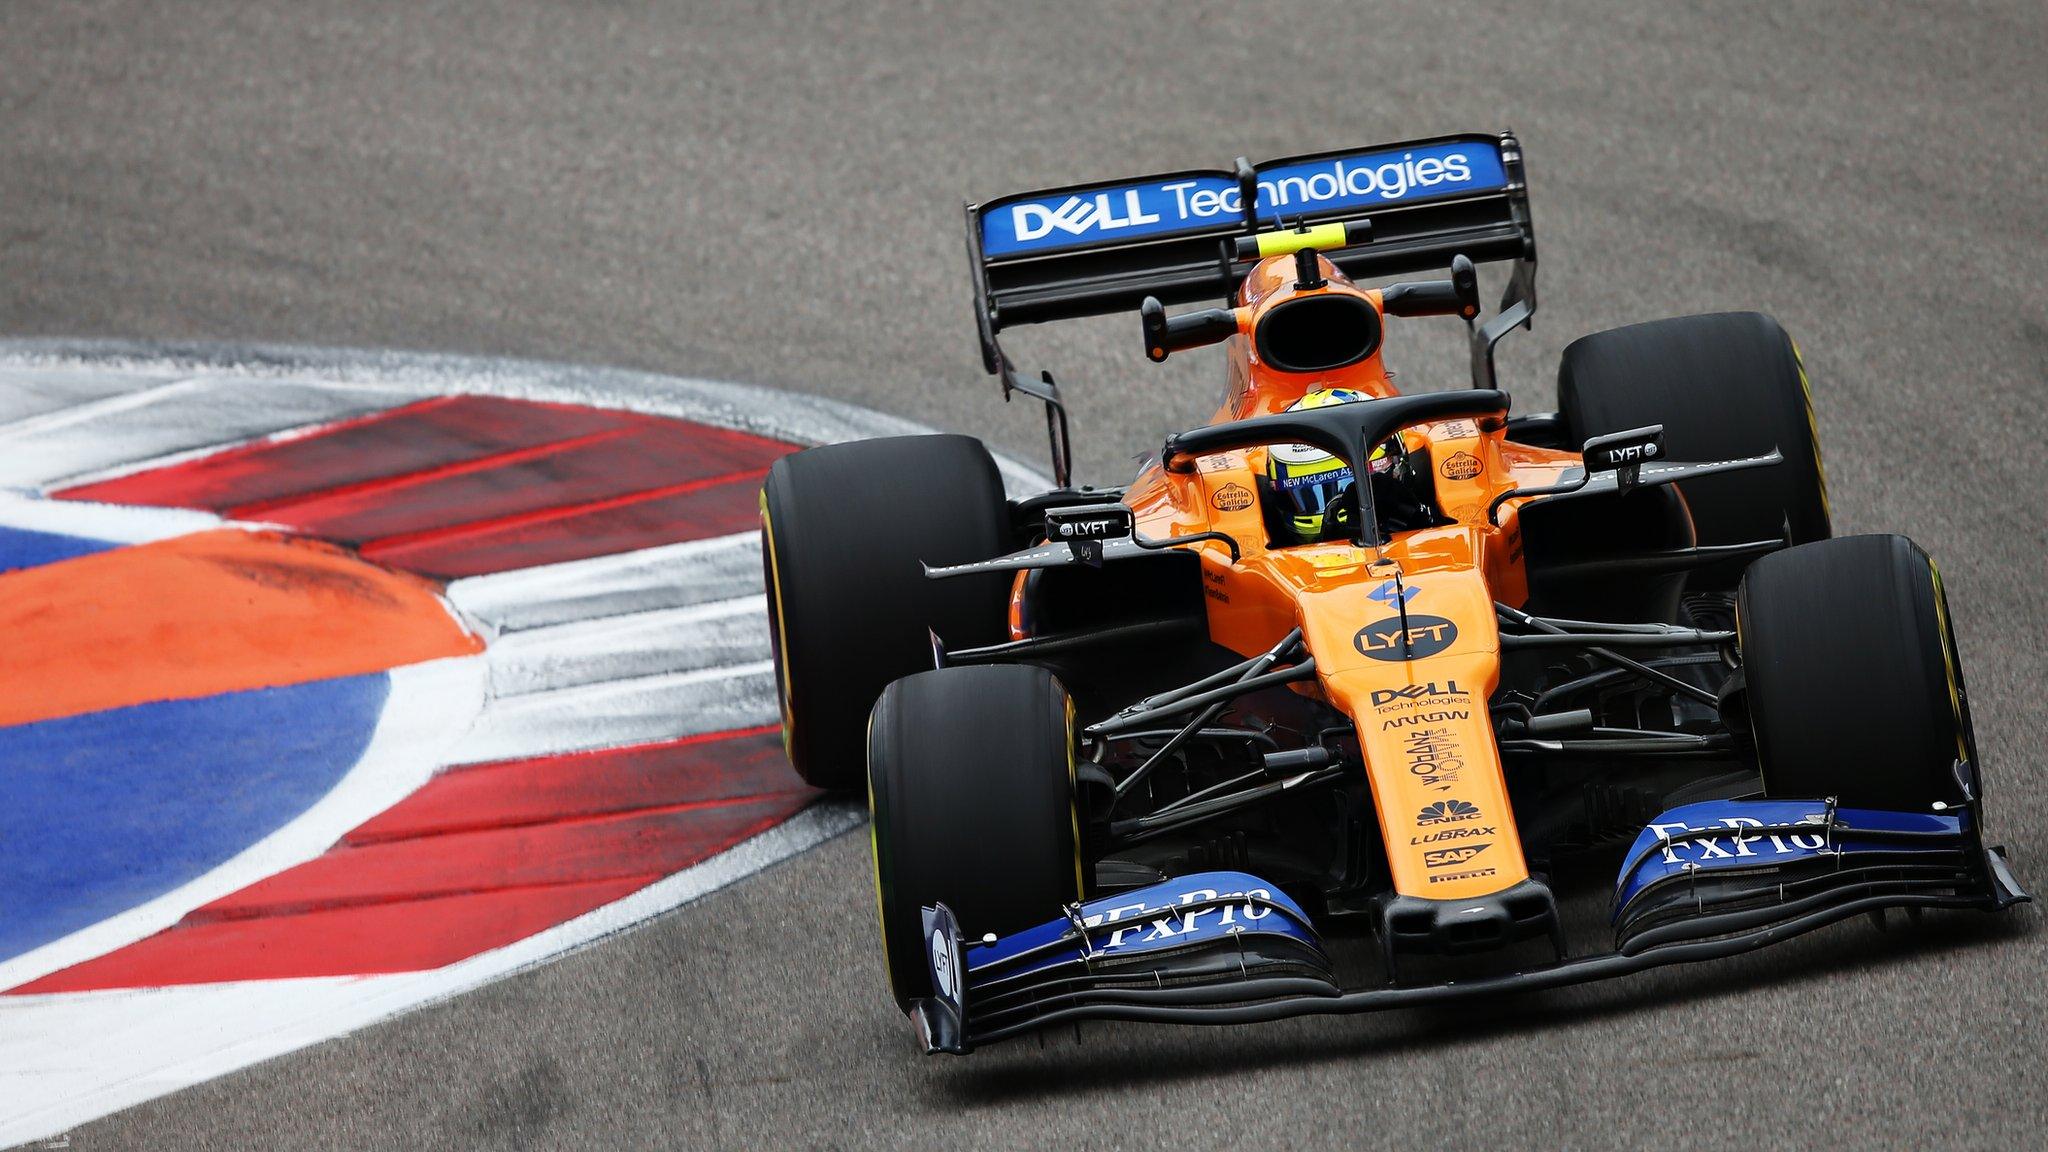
844	529
1853	686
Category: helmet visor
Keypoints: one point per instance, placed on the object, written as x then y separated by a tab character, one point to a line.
1314	494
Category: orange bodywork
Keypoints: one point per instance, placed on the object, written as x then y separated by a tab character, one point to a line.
1422	722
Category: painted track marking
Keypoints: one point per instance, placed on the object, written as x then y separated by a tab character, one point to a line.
547	619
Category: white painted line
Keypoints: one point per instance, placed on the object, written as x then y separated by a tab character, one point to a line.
797	417
143	429
431	706
638	711
72	1057
31	393
114	523
671	576
100	408
615	648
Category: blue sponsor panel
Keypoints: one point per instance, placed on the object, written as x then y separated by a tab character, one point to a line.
111	809
23	548
1194	909
1768	834
1193	202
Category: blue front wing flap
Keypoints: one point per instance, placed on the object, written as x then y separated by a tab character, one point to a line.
1202	908
1731	835
1206	930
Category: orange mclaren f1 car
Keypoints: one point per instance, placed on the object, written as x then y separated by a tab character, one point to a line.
1348	656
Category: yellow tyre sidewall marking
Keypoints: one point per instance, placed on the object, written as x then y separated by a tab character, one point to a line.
785	697
875	853
1948	663
1820	469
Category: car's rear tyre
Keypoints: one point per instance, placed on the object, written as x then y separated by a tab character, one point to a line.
1724	386
843	530
971	785
1854	687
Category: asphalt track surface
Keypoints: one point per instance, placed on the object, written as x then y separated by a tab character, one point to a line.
771	193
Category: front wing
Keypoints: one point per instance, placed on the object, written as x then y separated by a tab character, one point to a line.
1701	882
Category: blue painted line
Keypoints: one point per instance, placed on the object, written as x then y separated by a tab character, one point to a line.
22	548
102	812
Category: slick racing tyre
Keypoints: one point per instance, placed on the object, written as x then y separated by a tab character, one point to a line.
1724	387
971	784
843	531
1854	686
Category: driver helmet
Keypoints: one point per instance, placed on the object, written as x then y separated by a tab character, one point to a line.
1310	489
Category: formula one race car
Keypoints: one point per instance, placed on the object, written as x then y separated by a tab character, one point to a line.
1348	656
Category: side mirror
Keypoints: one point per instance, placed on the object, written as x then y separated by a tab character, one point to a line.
1618	450
1465	285
1165	335
1622	453
1083	528
1458	296
1625	453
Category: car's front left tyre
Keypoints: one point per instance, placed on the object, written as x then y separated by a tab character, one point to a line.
1724	386
971	786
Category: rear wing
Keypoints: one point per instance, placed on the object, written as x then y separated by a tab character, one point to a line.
1091	249
1095	248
